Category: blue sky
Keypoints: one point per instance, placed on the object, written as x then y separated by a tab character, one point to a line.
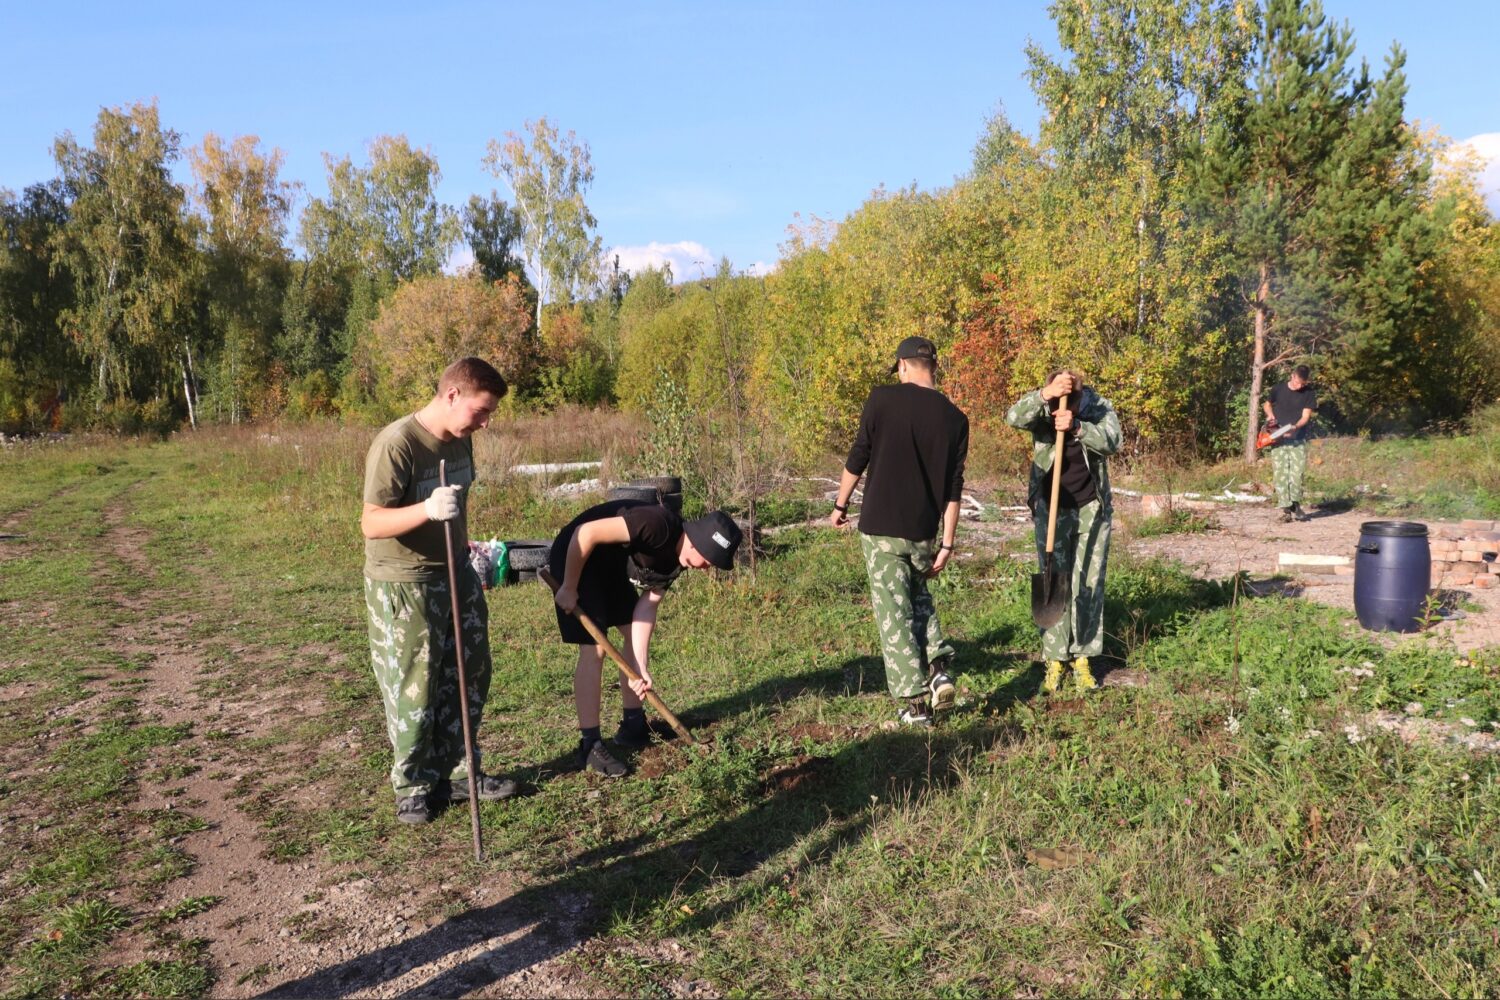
712	125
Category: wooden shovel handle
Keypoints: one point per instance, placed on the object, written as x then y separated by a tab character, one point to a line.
1057	460
545	575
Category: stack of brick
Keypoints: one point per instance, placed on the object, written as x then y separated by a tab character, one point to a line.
1465	554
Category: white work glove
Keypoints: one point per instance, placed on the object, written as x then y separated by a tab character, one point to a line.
443	504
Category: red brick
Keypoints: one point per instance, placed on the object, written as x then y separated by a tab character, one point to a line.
1468	525
1457	580
1442	545
1485	582
1470	555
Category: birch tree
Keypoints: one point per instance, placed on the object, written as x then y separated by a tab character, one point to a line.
128	250
548	174
244	206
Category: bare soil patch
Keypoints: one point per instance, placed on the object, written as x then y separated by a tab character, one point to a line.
800	771
1250	538
309	928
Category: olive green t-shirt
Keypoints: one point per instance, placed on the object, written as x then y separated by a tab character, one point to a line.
401	469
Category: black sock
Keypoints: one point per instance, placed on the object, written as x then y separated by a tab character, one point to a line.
635	718
590	735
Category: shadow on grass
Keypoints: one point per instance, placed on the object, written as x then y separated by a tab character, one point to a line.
817	807
830	806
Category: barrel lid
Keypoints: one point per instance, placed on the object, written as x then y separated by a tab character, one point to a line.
1394	529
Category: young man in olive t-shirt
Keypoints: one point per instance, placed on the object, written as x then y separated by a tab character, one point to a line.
406	590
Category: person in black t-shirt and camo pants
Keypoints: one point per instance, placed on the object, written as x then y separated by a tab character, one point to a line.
1084	511
1291	405
914	442
615	562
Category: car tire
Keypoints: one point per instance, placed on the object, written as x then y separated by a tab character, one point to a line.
641	494
666	484
528	555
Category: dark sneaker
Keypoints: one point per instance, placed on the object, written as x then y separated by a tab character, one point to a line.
632	737
914	715
491	788
1287	515
414	810
943	690
595	757
1299	513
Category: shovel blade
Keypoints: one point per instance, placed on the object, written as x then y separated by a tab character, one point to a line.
1049	597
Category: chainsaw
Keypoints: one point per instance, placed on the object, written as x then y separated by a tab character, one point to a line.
1267	438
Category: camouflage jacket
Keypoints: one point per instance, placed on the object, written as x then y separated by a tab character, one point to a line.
1098	432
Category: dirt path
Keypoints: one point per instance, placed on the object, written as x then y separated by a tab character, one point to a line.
307	928
1250	537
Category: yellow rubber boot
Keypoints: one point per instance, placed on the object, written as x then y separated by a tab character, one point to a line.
1083	677
1052	680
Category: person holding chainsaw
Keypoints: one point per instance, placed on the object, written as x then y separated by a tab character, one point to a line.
1084	511
914	443
412	646
1288	412
614	562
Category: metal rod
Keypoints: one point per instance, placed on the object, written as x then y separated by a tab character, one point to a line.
463	683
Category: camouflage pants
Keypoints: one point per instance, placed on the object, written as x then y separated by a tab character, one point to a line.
910	637
1288	466
1081	550
412	652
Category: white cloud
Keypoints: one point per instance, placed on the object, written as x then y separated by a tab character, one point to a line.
460	259
1484	151
689	259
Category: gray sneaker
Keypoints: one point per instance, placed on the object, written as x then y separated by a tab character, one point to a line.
491	788
595	757
942	689
413	809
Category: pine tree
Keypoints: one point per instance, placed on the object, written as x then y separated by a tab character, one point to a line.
1319	182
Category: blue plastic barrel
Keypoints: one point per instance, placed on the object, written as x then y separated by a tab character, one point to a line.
1392	571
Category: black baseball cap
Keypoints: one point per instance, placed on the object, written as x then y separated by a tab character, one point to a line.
716	536
915	347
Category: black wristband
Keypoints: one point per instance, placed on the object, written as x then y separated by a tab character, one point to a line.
948	547
842	510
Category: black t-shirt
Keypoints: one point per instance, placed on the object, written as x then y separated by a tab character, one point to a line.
1077	486
650	555
1287	405
914	442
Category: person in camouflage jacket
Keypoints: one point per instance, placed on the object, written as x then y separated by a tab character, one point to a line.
1084	515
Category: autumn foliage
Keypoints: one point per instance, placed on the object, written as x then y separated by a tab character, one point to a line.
427	322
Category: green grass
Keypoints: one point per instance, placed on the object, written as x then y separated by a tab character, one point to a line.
1238	826
1447	477
1174	522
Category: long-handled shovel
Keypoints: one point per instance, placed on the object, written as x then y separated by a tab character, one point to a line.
1049	591
463	682
546	577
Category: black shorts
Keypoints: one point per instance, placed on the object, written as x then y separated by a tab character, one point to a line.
605	592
